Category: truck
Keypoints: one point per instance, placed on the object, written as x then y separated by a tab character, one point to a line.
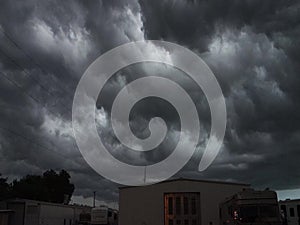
250	207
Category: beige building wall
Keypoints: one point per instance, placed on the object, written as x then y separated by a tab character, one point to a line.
145	205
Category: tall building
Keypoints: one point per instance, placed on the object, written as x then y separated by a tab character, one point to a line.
175	202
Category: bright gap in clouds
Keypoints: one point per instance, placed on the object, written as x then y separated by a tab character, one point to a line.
288	194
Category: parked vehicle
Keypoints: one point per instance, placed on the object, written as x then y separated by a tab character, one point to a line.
251	207
104	216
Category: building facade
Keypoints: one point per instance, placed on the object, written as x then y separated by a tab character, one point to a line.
175	202
29	212
291	211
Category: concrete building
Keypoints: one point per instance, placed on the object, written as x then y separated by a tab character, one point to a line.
180	201
29	212
291	210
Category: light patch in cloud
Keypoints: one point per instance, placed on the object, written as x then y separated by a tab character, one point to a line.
101	118
74	45
57	126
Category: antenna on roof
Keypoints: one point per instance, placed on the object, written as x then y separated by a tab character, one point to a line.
94	199
145	174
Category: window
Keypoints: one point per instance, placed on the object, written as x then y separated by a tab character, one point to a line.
170	205
65	222
182	208
185	206
292	212
178	205
109	214
298	210
70	222
193	206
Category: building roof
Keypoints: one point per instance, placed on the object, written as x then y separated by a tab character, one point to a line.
21	200
289	200
192	180
6	211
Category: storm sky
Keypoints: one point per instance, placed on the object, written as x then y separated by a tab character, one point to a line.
252	46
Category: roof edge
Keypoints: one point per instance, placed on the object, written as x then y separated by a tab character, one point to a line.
191	180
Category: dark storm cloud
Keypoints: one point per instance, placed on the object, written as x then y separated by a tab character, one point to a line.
45	48
251	46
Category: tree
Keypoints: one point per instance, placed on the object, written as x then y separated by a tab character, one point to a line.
4	188
50	187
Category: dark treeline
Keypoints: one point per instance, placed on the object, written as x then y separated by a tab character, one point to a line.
50	187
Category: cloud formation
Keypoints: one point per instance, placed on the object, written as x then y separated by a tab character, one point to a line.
251	46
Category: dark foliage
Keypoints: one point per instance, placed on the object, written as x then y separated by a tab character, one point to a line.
51	187
4	188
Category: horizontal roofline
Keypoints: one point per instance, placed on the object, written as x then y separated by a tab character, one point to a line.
23	200
290	200
6	211
192	180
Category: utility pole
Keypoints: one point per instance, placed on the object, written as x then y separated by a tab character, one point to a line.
94	202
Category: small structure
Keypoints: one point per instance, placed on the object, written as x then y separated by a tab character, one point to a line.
30	212
290	210
179	201
251	207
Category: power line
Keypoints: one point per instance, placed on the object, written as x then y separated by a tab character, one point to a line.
23	69
25	93
28	56
20	87
28	74
32	141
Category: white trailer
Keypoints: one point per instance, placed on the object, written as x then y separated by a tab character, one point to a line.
104	216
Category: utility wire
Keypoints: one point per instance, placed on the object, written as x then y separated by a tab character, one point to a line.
18	86
24	92
30	57
28	74
33	142
33	98
27	94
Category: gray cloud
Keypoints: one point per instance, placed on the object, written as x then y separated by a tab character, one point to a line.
251	46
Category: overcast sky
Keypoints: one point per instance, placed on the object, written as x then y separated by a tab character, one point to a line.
252	46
